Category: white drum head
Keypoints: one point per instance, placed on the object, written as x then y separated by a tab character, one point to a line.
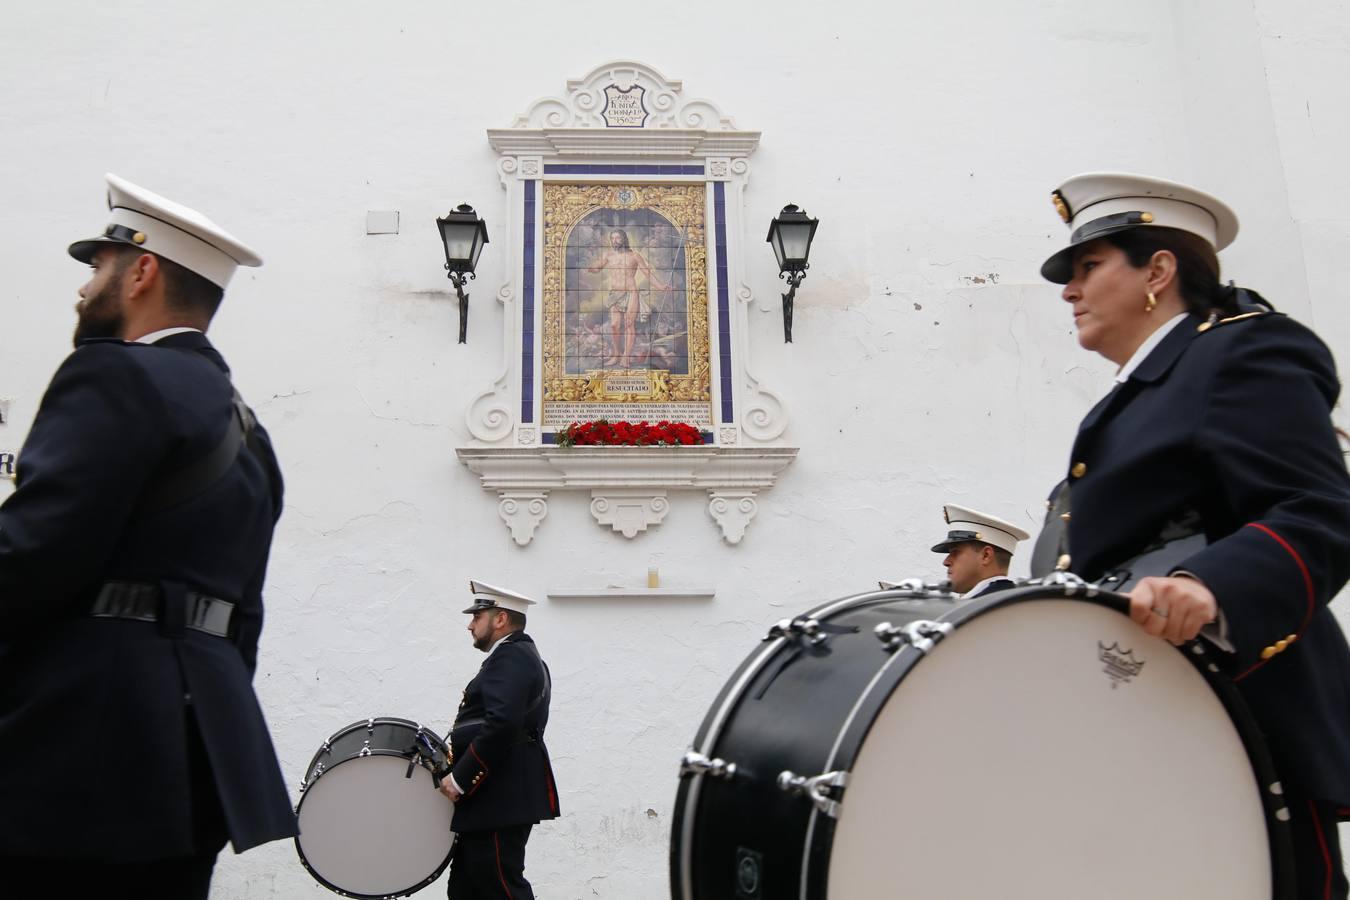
366	829
1015	762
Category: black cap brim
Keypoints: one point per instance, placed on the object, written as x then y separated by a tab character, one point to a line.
946	546
1059	268
478	607
84	250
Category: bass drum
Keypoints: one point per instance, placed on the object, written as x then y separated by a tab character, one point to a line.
372	823
1033	743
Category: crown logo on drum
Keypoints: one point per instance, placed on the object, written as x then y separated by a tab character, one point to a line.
1120	665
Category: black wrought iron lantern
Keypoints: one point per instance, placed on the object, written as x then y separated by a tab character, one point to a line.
463	235
790	235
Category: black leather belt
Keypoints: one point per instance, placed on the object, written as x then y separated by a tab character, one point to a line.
520	737
146	603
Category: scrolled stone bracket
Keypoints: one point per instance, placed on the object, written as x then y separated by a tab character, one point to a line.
732	510
629	512
522	511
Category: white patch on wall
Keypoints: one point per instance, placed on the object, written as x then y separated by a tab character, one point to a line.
382	221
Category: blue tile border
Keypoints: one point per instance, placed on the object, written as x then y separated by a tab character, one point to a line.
619	169
723	299
527	311
719	248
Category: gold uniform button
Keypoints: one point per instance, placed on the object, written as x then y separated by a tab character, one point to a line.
1078	470
1062	564
1064	516
1268	653
1280	645
139	237
1291	639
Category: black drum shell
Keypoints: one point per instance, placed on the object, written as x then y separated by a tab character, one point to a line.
384	736
747	820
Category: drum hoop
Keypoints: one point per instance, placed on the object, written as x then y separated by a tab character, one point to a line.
681	861
906	658
402	892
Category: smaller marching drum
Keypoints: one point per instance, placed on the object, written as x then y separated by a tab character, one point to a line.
1031	743
372	822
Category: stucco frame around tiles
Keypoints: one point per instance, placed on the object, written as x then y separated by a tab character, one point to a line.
625	124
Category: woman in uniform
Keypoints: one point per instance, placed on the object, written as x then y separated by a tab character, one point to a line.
1217	442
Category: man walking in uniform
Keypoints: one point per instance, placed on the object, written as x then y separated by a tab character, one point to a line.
132	557
501	780
979	550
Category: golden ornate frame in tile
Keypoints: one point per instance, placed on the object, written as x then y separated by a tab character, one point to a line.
684	206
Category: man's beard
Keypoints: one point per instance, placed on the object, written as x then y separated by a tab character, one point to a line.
483	643
100	315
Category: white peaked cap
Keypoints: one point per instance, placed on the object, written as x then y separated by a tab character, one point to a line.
969	525
1096	204
147	221
485	596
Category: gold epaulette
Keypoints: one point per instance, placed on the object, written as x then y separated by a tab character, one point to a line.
1210	323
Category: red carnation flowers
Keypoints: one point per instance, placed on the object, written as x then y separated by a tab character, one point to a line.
626	434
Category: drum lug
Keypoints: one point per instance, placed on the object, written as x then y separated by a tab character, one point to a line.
825	791
313	777
695	763
365	749
921	634
1069	581
924	588
802	626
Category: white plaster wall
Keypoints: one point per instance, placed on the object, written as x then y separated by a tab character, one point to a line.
931	364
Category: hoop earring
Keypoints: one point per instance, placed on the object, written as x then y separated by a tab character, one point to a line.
1151	304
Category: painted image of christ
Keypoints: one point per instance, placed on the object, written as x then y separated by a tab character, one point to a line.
626	305
623	264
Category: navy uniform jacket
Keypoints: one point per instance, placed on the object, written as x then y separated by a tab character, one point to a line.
94	712
1001	584
497	742
1233	424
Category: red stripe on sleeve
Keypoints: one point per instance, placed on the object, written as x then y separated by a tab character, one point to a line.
1307	584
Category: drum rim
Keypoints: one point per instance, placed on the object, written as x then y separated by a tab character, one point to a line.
403	892
1264	773
710	731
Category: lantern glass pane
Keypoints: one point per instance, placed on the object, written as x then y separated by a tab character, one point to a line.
459	240
796	241
479	236
777	243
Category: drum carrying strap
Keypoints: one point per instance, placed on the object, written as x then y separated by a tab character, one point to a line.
1182	537
173	487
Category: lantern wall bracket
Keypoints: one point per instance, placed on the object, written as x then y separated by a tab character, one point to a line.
458	279
793	279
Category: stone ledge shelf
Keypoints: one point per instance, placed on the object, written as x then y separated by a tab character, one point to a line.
670	593
628	485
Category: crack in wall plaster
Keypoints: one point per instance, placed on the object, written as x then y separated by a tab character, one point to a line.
389	418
